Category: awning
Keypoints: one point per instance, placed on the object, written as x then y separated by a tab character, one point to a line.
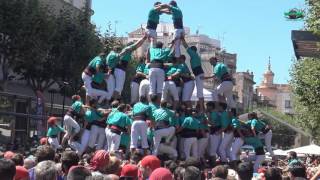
305	44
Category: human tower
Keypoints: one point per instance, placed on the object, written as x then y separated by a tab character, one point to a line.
162	119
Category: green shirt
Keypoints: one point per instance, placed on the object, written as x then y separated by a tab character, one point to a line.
195	59
54	130
255	142
127	56
119	119
154	15
98	78
125	140
159	54
140	108
112	59
225	119
92	115
172	69
236	123
219	70
176	12
183	68
201	118
140	67
150	134
257	124
76	106
146	70
190	123
97	61
215	119
163	114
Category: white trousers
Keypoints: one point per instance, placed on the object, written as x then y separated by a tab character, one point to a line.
187	91
113	140
144	88
139	129
215	140
167	133
54	143
225	146
110	85
225	89
98	136
190	147
84	141
71	126
170	88
152	34
235	148
199	85
267	141
177	42
134	87
92	92
120	77
156	78
167	149
202	146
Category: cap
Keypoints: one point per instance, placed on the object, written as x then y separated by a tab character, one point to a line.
161	174
151	161
129	170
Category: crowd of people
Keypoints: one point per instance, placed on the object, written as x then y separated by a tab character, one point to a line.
161	134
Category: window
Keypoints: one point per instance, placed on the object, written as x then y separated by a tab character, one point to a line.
287	104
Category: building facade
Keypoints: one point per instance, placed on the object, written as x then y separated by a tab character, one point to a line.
277	95
244	90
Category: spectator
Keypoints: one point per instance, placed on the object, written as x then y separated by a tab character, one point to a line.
191	173
99	161
8	155
45	153
297	171
21	173
46	170
7	169
272	174
29	163
113	166
68	159
179	172
245	171
147	165
111	177
78	173
129	171
161	174
18	159
220	172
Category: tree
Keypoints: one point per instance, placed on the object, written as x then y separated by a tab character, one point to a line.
305	81
47	48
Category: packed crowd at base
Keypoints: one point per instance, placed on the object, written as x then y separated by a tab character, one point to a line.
104	138
44	163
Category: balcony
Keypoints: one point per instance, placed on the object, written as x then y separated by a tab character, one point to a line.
305	44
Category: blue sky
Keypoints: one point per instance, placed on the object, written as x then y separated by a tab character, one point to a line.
254	29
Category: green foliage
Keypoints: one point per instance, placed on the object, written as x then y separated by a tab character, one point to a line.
313	17
45	48
306	88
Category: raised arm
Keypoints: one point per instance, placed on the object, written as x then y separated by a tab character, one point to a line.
184	43
133	47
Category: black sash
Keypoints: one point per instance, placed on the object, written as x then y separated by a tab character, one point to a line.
101	124
156	64
259	151
161	125
152	25
197	70
186	79
122	65
214	129
178	23
138	79
189	133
